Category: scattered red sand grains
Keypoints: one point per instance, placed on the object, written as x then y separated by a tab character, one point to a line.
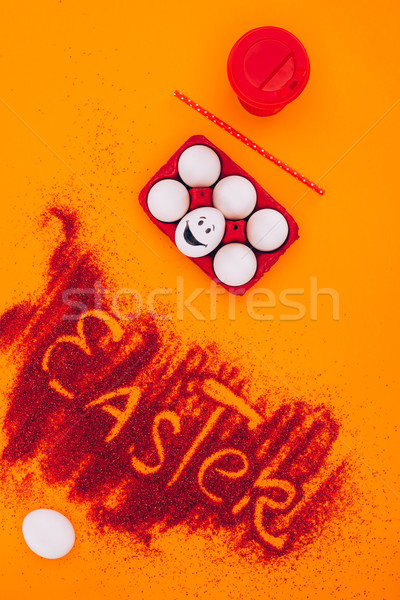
151	434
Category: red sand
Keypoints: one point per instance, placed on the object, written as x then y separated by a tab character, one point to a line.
180	445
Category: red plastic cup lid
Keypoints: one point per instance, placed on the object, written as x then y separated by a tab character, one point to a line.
268	67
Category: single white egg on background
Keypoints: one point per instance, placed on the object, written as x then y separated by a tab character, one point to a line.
199	166
48	533
235	264
168	200
200	231
235	196
267	229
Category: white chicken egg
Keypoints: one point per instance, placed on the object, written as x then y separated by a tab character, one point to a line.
199	166
235	196
235	264
48	533
168	200
200	231
267	229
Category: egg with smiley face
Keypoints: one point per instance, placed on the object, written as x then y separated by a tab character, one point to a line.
200	231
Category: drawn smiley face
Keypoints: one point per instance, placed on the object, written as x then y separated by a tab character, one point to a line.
200	231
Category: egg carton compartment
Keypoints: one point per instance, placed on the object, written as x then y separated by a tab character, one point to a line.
218	215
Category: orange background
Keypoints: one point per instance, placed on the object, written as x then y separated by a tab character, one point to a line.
87	116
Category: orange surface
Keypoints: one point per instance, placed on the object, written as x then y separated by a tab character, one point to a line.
87	116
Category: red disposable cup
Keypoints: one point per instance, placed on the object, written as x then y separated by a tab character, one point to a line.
268	67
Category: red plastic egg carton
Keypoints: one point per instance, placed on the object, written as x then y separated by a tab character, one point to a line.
235	231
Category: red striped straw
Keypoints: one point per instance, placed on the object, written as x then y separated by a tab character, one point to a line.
249	142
